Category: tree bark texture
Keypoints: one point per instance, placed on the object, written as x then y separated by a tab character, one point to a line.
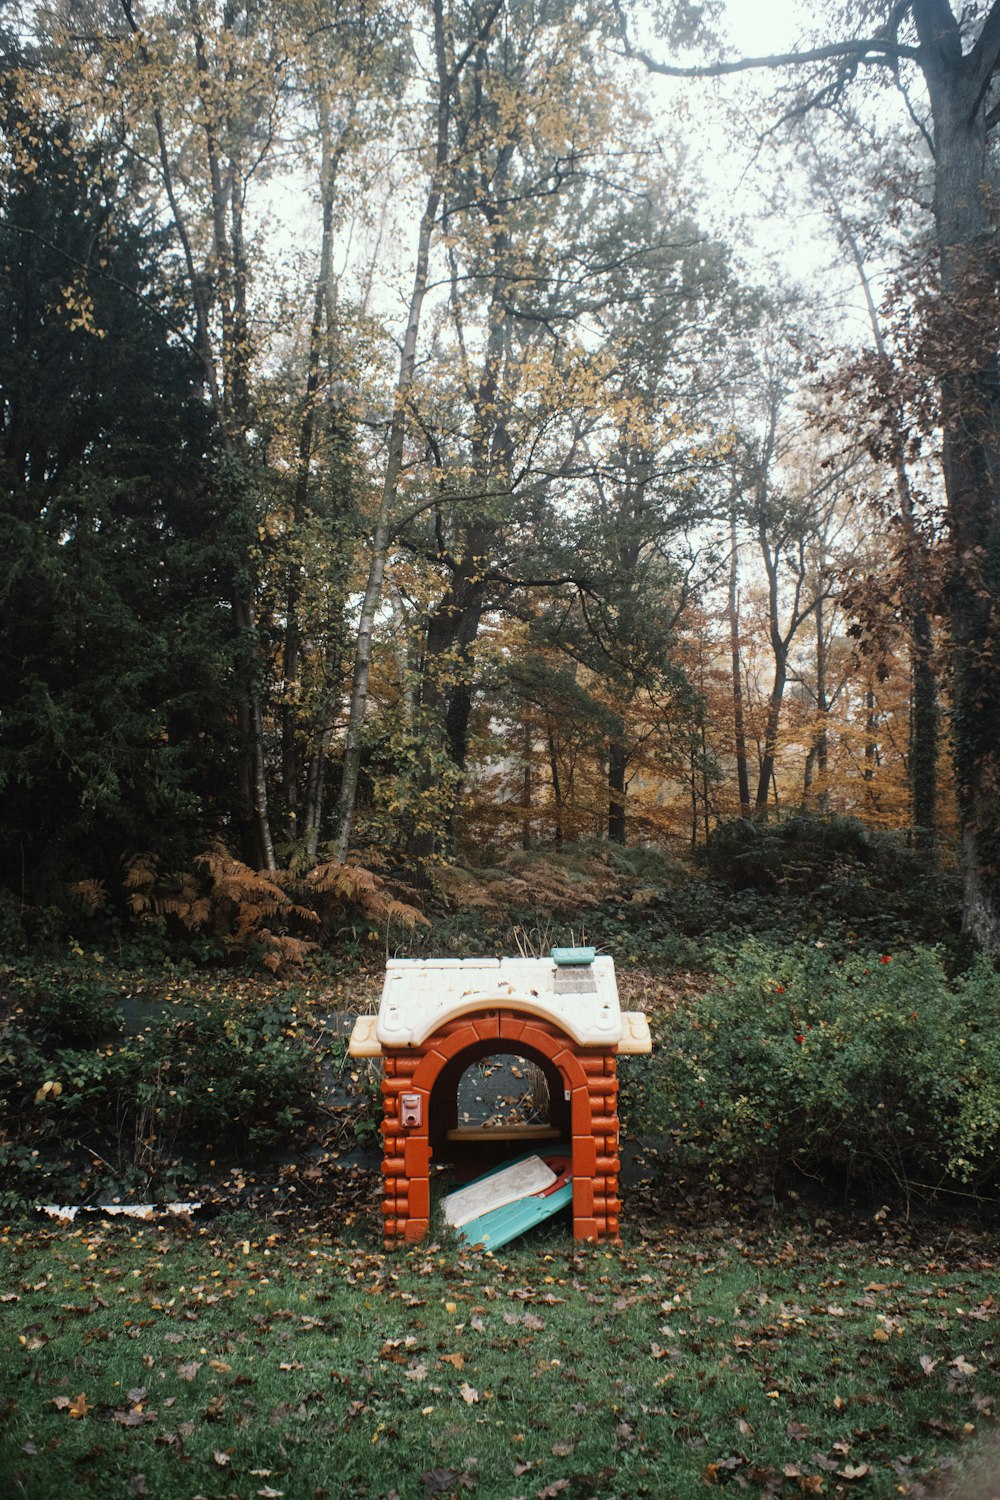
966	335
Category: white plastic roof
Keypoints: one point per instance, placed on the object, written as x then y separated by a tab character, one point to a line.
420	995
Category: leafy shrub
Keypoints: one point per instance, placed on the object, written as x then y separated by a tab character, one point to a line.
875	1066
838	870
224	1079
826	879
66	1006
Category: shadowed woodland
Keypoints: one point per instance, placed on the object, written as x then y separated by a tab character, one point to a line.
402	469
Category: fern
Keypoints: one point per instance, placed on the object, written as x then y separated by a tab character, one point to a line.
91	895
276	912
354	885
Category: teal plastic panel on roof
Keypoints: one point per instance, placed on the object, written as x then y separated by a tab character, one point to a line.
562	956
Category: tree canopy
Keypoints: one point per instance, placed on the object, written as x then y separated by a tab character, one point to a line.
401	462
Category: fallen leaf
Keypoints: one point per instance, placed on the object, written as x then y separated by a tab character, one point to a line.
438	1481
78	1406
137	1485
457	1360
132	1416
220	1457
188	1371
469	1394
853	1471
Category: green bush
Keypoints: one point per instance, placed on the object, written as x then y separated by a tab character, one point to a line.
66	1006
223	1080
874	1066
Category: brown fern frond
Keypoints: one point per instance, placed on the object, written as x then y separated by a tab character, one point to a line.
402	911
304	913
354	886
141	872
346	881
91	895
283	950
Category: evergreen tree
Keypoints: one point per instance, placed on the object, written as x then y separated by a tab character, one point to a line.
115	643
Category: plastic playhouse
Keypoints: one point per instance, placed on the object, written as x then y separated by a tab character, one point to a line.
439	1016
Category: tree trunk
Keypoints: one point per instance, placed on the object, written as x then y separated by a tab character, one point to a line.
739	721
321	335
617	789
924	722
822	713
924	715
964	196
445	700
394	448
767	760
556	788
871	742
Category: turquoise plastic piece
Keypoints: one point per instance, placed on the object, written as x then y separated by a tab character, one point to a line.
505	1224
501	1225
563	956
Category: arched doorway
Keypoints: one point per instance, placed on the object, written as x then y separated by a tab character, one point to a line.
482	1143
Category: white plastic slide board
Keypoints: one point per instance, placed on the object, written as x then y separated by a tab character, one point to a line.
508	1185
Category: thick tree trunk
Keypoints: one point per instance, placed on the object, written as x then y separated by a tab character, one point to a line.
924	714
822	738
554	777
445	702
767	760
871	742
967	335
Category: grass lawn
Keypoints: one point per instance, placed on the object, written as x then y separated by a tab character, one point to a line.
249	1358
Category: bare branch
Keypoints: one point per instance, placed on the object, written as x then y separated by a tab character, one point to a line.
881	51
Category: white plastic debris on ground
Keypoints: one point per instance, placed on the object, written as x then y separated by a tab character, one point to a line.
66	1213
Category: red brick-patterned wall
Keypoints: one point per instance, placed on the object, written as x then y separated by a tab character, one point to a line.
589	1079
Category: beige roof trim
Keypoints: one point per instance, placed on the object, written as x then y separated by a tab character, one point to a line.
634	1039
